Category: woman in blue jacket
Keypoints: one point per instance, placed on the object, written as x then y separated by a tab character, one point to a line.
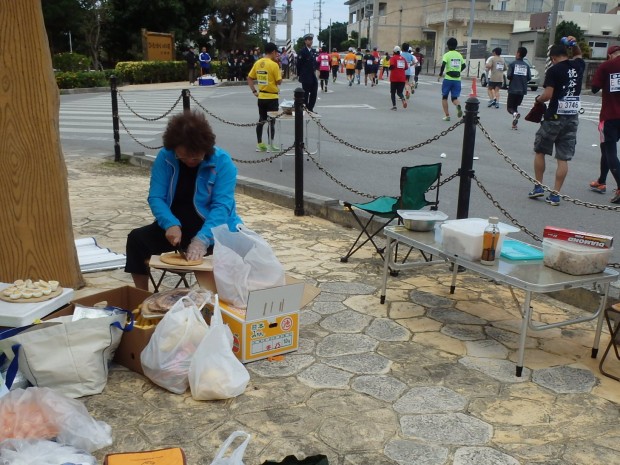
192	190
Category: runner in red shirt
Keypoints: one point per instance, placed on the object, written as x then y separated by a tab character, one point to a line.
324	68
398	65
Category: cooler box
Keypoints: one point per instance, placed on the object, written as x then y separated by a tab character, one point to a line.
206	81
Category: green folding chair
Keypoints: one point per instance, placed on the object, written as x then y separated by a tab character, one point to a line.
415	181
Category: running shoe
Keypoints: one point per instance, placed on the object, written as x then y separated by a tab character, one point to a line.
261	147
553	199
273	148
446	118
496	104
459	111
616	197
538	191
515	119
491	103
407	94
596	186
416	85
393	108
404	103
350	83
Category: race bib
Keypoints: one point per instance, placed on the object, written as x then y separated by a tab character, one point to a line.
350	62
370	62
324	63
614	82
400	64
499	66
520	70
569	105
262	78
455	63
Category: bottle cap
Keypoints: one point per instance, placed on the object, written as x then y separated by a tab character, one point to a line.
493	220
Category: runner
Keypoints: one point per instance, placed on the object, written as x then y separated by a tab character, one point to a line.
398	66
335	61
324	67
369	68
349	63
418	67
359	63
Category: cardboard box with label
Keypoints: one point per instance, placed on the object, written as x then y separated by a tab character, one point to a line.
270	324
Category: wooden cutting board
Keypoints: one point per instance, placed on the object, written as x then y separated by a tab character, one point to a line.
23	300
177	259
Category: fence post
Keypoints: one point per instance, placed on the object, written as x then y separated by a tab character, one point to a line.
115	128
466	171
299	151
185	94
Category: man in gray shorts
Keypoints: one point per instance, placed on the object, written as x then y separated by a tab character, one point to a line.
559	127
496	66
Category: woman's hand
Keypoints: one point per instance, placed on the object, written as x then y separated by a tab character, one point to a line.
173	234
196	250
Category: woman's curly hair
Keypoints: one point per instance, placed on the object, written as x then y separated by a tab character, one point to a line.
191	130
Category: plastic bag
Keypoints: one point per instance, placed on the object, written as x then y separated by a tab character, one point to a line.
166	358
215	372
236	457
42	413
39	452
242	262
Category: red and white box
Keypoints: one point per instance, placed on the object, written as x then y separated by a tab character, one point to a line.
599	241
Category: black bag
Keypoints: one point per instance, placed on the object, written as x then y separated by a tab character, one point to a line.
536	113
292	460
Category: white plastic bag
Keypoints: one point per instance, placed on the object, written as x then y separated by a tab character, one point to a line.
166	358
242	262
39	452
3	388
42	413
236	457
215	372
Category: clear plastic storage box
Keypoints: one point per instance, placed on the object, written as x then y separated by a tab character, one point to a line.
464	237
573	258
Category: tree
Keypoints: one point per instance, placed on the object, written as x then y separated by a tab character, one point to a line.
568	28
63	17
229	21
35	218
338	35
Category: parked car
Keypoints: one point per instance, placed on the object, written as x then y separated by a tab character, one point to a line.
532	83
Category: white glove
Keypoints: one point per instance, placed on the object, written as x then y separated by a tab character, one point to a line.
196	250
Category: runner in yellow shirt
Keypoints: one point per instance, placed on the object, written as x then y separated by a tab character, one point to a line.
349	63
335	62
266	75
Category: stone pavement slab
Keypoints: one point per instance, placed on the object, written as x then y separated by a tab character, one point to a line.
426	379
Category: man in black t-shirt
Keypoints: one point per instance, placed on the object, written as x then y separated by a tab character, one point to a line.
559	127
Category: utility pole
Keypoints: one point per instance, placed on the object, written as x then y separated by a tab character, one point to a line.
375	24
320	3
272	24
329	41
470	31
554	21
360	18
400	25
445	27
289	23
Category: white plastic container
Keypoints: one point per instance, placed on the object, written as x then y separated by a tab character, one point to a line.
421	220
464	237
575	259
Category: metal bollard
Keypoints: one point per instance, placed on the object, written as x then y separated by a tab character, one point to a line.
299	151
185	94
115	127
466	171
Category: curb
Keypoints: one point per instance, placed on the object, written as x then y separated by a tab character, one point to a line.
331	210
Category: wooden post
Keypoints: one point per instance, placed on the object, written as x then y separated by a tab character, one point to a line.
36	233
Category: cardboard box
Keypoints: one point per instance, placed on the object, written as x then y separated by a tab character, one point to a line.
270	324
578	237
133	342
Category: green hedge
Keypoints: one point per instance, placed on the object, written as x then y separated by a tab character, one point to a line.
147	72
71	62
73	80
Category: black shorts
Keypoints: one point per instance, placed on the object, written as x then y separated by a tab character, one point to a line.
265	105
324	74
350	72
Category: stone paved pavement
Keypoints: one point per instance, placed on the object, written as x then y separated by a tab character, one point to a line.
426	379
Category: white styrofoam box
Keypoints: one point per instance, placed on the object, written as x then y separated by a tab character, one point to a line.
22	314
464	237
572	258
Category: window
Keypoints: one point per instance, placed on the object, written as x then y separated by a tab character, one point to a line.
597	7
504	44
534	6
561	5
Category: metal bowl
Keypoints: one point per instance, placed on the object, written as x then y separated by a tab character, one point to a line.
421	220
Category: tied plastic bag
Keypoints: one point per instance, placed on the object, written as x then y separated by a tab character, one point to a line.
42	413
236	457
242	262
39	452
215	372
167	356
537	112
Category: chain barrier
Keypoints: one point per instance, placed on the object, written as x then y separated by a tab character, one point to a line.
134	137
360	193
532	180
239	125
119	93
268	159
382	152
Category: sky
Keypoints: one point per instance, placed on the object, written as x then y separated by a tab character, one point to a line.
308	10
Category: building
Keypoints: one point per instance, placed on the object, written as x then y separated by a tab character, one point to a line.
431	23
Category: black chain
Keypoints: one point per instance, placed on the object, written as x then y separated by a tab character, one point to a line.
119	93
532	180
384	152
268	159
134	138
239	125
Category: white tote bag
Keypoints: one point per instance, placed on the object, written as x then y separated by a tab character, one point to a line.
166	358
242	262
215	372
68	356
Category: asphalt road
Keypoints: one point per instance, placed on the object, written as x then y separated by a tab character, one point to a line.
360	115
